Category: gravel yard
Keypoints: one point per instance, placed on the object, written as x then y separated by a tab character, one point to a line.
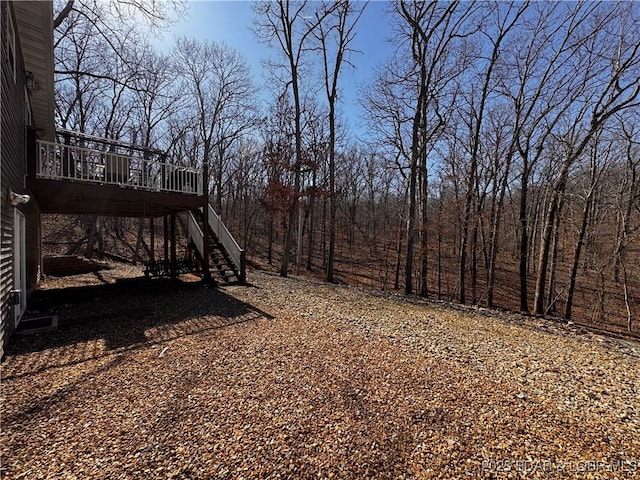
292	378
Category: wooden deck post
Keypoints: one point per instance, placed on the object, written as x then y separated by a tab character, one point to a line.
166	237
173	266
152	233
206	272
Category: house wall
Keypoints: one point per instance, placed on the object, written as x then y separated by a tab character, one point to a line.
13	171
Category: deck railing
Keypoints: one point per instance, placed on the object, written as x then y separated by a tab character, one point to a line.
56	161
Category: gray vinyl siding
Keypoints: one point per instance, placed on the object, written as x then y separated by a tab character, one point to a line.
6	271
13	161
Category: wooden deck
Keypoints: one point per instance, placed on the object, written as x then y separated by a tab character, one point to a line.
69	197
85	175
81	174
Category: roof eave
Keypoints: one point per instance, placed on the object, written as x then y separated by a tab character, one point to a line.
35	30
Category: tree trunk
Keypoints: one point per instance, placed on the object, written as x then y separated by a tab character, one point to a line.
139	236
396	280
333	207
474	263
464	234
287	242
301	218
551	299
524	237
311	228
624	225
270	241
90	228
496	217
576	260
324	232
424	254
440	205
543	259
545	240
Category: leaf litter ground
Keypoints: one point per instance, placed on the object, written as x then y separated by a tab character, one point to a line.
292	378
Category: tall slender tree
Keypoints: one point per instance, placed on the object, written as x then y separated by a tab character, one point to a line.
336	30
433	31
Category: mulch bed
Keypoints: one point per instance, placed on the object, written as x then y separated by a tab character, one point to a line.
292	378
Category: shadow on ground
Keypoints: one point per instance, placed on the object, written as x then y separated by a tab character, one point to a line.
100	320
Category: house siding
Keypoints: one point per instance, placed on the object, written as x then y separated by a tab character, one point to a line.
13	165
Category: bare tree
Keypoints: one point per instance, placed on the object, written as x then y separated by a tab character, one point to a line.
278	159
218	80
155	13
100	103
532	79
433	31
628	194
290	26
336	30
597	162
607	90
115	31
506	18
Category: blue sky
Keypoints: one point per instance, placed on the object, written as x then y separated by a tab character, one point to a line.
230	21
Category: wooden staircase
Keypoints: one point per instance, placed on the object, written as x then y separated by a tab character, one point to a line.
221	266
226	258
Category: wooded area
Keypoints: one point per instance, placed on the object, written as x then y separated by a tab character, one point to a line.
501	167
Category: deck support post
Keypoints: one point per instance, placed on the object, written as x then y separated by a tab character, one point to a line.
206	272
174	262
152	233
166	237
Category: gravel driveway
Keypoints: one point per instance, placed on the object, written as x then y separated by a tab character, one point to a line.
291	378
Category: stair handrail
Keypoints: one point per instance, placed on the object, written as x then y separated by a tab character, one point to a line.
229	243
196	235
